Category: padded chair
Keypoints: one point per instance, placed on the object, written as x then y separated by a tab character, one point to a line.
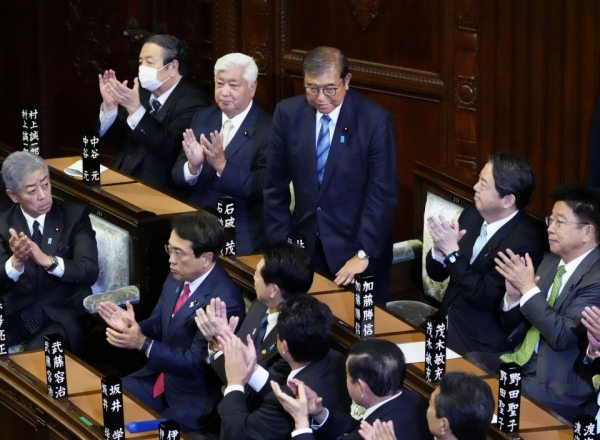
417	311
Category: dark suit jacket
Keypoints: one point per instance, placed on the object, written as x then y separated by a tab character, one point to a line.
67	234
270	421
408	412
149	151
179	350
242	177
268	357
473	297
557	375
354	207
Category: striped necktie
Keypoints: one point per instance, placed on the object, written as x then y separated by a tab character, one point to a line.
323	144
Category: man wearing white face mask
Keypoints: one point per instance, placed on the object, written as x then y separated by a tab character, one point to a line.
147	122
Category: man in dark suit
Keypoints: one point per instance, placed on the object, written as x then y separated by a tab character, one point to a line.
376	371
284	271
338	149
304	331
465	251
176	381
543	310
49	257
147	123
225	151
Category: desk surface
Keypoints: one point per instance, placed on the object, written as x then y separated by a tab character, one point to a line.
536	422
108	177
85	397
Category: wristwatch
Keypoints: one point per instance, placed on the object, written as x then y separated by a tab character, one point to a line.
54	264
451	258
362	255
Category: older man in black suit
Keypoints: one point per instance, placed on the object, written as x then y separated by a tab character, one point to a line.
48	256
147	122
225	151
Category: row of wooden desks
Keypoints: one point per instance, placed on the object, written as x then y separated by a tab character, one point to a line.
537	422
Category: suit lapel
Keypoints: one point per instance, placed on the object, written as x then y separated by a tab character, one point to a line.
494	242
341	138
170	102
308	147
53	228
570	285
244	133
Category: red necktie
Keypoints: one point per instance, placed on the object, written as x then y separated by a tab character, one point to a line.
159	385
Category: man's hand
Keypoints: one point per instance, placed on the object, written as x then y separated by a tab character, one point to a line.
214	320
296	407
379	431
591	321
445	234
123	330
353	266
126	97
315	403
36	255
19	246
108	102
518	273
213	150
193	151
238	368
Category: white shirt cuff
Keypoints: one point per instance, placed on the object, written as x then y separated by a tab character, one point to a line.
134	119
317	426
505	307
106	119
11	272
437	257
190	178
301	431
259	378
232	388
59	271
527	296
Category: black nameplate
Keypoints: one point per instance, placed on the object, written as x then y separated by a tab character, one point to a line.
435	348
3	347
509	397
364	306
168	430
91	159
226	214
30	138
56	368
298	240
112	408
584	428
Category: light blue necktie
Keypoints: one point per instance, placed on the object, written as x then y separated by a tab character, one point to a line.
323	144
480	242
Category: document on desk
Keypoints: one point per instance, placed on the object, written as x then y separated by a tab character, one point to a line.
415	352
76	170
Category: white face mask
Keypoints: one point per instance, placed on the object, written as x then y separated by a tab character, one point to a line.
148	77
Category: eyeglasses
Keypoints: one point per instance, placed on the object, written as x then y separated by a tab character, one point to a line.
327	91
178	254
551	221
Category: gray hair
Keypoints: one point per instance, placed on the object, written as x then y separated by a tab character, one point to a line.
238	60
320	60
17	166
172	50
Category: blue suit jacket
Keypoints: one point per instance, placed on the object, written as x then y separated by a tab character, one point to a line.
67	234
354	206
179	350
242	177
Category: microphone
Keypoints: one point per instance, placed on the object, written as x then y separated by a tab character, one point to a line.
119	297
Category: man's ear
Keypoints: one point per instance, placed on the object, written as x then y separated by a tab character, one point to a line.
445	426
12	196
509	200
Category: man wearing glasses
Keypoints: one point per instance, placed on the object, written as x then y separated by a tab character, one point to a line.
338	149
543	310
176	381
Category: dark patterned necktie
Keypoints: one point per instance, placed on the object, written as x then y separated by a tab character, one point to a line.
32	314
155	104
262	330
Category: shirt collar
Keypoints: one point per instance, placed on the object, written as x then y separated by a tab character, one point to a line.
494	227
163	98
236	121
196	283
29	219
334	115
371	410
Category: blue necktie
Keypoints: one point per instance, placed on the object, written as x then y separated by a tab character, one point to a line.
480	242
262	330
323	144
32	314
155	104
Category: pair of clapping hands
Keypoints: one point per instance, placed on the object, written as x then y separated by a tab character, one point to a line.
307	404
23	249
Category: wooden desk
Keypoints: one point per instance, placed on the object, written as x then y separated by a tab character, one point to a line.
27	411
537	422
108	177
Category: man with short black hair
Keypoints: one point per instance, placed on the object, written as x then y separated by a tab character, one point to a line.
375	371
304	332
543	309
48	257
176	381
147	122
284	271
465	251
